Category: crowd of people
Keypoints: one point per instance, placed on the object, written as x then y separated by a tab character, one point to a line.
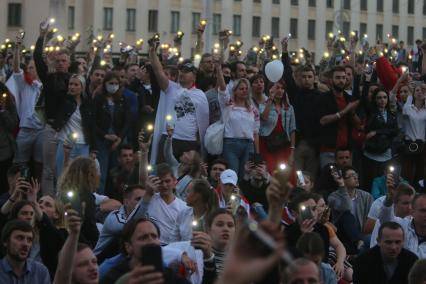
158	169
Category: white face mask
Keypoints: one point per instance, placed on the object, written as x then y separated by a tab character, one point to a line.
112	89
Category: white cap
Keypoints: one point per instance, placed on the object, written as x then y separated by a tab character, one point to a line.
229	176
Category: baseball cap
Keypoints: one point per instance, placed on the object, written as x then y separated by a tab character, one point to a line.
229	176
187	66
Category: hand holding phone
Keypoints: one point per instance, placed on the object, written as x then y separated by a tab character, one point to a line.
151	254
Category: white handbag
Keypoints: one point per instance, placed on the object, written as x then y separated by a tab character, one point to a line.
213	139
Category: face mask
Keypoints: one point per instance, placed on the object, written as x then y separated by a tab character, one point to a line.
112	89
227	79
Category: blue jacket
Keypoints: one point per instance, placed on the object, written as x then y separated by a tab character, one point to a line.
287	116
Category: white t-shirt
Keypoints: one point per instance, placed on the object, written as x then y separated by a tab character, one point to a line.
174	219
74	125
377	207
183	105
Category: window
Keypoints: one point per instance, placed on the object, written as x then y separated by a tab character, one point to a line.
379	5
255	28
328	28
395	6
410	35
330	3
424	7
236	27
71	17
293	28
294	2
347	4
196	17
424	33
311	29
363	5
256	1
108	19
312	3
346	29
395	31
14	14
275	1
152	21
217	23
131	20
410	7
275	27
174	27
362	29
379	32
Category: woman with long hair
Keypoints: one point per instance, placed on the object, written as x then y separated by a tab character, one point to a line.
277	128
80	180
8	124
221	227
112	115
242	122
203	200
381	128
414	124
74	124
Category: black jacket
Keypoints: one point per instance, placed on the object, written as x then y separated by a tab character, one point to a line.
368	268
327	105
120	121
304	102
385	131
66	106
53	83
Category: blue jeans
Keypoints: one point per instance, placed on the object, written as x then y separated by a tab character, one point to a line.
107	160
76	151
236	153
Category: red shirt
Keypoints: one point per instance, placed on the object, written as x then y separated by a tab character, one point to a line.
342	128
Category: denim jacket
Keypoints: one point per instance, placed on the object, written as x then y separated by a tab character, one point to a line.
287	116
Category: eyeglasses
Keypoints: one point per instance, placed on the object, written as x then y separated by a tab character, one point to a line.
354	175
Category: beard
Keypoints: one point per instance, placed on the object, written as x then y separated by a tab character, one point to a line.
338	87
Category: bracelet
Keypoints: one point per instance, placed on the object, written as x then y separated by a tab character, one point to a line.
338	115
11	200
210	259
292	147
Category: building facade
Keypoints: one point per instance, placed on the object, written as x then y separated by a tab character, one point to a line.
308	21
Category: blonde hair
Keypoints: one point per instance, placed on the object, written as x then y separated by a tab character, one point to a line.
237	83
79	175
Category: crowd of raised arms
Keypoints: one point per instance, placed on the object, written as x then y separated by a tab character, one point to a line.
227	168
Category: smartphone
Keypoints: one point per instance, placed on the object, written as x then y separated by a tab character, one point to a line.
197	226
72	197
25	173
334	169
151	255
300	178
235	201
256	158
258	233
148	131
305	213
154	40
396	173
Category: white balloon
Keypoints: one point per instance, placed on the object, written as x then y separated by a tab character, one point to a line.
274	70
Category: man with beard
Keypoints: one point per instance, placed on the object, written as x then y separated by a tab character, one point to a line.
17	238
336	112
